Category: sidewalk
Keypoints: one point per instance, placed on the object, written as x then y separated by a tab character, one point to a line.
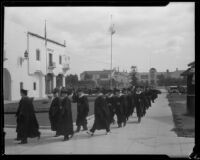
152	136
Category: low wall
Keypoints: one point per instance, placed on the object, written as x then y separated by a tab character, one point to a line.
41	105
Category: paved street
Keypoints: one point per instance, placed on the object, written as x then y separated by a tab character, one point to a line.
153	135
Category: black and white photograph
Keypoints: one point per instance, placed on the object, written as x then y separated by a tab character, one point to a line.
99	80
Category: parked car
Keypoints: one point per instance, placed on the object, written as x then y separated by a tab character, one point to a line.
182	89
173	89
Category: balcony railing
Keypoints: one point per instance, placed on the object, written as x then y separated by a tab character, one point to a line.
65	66
52	65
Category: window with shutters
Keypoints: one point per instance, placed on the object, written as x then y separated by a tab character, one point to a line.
21	85
34	86
60	59
37	54
50	59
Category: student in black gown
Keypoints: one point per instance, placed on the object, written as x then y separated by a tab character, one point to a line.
54	110
101	115
65	122
82	110
27	124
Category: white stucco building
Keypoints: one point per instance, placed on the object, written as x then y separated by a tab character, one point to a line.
44	68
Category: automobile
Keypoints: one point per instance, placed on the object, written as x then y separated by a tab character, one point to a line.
182	89
173	89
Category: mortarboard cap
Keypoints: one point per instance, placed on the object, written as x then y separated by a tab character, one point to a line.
63	90
25	92
55	90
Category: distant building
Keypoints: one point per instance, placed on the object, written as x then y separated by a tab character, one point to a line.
121	78
30	64
152	76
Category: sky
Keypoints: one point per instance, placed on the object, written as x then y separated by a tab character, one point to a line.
159	37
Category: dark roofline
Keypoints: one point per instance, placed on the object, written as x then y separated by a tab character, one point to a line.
186	72
96	72
36	35
191	64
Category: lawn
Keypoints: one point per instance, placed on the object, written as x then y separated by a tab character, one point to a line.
184	125
41	109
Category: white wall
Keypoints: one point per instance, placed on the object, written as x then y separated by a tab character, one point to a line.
37	43
57	50
15	44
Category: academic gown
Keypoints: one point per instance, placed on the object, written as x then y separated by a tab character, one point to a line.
130	105
82	111
54	112
101	114
120	109
139	104
126	105
132	102
27	124
65	122
153	95
144	102
110	104
148	96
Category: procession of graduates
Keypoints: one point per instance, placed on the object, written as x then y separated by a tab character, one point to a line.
108	104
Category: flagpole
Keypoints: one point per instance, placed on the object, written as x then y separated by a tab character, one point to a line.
45	35
111	58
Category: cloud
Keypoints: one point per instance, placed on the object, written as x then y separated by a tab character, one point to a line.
141	32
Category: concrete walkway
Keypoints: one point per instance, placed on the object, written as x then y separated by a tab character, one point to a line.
152	136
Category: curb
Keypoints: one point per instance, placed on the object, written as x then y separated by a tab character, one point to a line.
46	127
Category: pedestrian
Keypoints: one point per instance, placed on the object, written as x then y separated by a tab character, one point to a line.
139	103
82	110
27	124
109	101
130	104
101	115
54	110
195	153
119	108
65	122
148	96
123	108
126	103
133	97
153	94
